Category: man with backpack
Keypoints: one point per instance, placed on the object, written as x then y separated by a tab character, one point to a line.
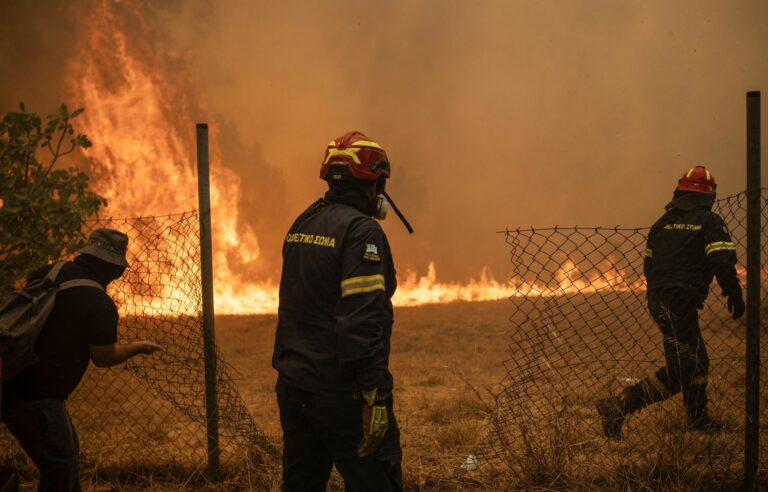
81	327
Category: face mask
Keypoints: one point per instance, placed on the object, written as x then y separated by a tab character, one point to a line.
389	202
382	204
381	208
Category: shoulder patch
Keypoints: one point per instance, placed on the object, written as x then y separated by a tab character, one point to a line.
371	253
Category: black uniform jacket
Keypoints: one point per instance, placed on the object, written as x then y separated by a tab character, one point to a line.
335	315
689	245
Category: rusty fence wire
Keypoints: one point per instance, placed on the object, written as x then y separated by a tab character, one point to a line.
580	332
150	411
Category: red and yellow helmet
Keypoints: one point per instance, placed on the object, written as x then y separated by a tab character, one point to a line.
698	179
362	157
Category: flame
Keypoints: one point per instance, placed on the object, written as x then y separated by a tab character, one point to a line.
142	156
142	161
413	290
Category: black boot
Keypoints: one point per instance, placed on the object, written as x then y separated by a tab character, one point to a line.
612	416
705	424
613	410
695	399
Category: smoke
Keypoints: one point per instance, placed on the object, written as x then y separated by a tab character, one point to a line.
495	114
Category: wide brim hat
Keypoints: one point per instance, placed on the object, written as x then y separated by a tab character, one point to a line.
108	245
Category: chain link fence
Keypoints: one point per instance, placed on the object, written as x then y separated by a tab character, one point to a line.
150	411
581	332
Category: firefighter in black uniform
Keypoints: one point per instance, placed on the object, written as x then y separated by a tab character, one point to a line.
687	247
332	345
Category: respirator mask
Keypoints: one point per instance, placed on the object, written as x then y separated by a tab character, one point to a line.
382	204
380	208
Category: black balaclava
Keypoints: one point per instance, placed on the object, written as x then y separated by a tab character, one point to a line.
691	200
105	272
356	193
369	197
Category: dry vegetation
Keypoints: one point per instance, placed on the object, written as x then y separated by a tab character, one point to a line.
447	362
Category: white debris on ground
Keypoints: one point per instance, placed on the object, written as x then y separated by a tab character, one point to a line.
471	463
630	380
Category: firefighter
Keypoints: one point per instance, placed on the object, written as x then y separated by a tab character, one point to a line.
332	345
687	247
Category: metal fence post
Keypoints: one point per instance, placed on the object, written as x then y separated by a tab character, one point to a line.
206	269
752	422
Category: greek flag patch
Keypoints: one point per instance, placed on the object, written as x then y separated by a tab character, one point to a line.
371	253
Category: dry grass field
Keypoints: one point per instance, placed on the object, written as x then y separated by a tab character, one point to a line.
447	361
445	358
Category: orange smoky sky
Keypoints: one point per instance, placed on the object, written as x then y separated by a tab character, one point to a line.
494	113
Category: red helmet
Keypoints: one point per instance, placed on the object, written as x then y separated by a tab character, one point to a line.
698	179
362	157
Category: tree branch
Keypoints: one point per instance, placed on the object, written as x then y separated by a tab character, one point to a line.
57	153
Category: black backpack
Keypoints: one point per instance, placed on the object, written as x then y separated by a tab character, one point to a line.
23	316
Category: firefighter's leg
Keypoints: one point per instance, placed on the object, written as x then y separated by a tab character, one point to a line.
695	392
659	386
307	463
654	388
378	472
669	311
688	362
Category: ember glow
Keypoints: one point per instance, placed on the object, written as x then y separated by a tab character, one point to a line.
142	161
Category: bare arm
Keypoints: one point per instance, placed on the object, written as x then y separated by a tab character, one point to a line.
117	353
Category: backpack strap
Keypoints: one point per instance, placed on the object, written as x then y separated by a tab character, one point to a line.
80	282
54	271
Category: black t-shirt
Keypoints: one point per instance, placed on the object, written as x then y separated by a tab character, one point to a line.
81	316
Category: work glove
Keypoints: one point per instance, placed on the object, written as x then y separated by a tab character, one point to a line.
375	422
735	303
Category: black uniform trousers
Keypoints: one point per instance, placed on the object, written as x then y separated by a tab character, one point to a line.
322	431
687	365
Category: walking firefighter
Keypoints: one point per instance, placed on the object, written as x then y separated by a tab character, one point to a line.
687	247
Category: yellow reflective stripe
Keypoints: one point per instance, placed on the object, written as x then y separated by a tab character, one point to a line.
724	248
367	143
355	280
709	176
348	291
699	380
719	246
332	144
690	171
656	383
358	285
649	253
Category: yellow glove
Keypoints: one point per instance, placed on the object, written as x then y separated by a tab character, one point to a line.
375	423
